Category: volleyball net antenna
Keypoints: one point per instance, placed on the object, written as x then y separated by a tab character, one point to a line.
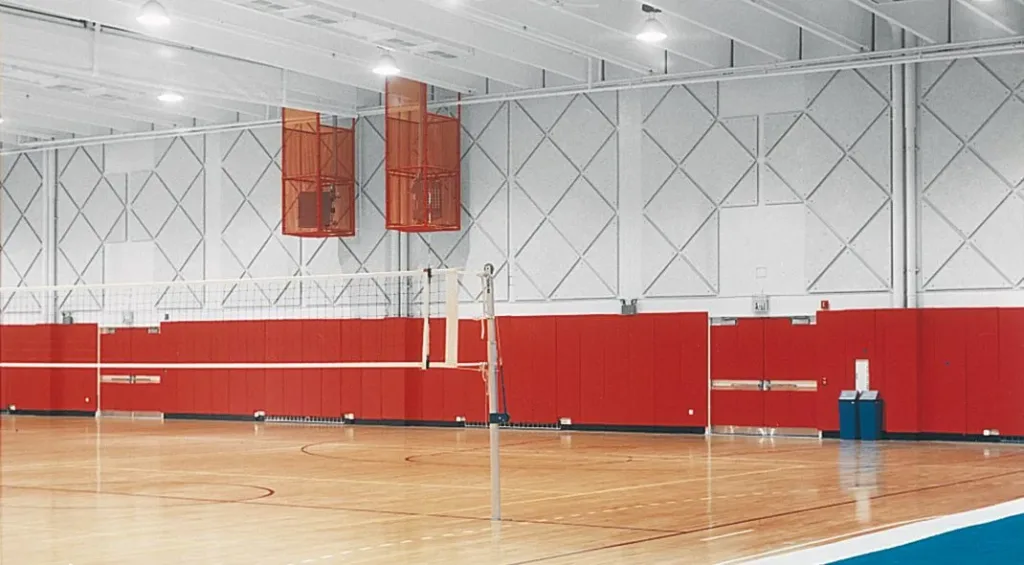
57	341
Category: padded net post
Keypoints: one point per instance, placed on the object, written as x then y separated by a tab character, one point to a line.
317	176
423	162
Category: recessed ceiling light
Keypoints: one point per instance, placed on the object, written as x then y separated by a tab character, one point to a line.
153	14
653	31
386	66
170	97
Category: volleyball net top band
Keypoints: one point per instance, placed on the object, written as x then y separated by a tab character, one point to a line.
426	298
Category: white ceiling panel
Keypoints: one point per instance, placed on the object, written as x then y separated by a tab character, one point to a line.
87	67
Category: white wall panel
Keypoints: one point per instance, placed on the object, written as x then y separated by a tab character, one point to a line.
820	142
251	204
540	194
90	212
21	220
777	186
970	143
163	205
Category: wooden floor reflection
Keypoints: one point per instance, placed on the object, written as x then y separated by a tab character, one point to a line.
86	492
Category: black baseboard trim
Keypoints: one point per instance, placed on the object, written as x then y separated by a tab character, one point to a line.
695	430
426	423
212	417
50	413
691	430
935	436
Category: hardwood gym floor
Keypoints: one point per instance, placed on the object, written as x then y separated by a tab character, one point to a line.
85	492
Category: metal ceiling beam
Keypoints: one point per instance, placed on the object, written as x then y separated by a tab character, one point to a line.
495	53
541	23
219	27
445	21
32	133
927	19
684	39
232	85
33	119
1007	16
14	105
86	103
228	39
9	139
841	24
739	22
334	48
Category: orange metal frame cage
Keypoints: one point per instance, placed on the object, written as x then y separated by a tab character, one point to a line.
423	161
318	188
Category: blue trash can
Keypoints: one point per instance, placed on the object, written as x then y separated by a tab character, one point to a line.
848	414
869	415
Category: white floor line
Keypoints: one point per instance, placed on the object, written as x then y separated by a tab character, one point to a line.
908	533
729	535
790	548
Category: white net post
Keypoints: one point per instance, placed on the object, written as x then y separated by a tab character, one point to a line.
493	417
425	356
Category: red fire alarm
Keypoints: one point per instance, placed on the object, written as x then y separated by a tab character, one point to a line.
824	305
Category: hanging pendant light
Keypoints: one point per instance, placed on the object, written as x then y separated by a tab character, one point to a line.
153	14
653	31
170	97
386	66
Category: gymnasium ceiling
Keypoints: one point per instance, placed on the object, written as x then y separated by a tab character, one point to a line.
86	68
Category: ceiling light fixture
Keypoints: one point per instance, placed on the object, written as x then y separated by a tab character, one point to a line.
386	66
170	97
153	14
653	30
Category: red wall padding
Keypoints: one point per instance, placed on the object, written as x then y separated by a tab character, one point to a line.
982	371
1007	407
939	370
48	389
943	384
896	374
644	370
73	389
958	371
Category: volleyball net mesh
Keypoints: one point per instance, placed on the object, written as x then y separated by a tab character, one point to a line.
126	332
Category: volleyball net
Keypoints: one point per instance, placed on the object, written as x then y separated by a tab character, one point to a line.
342	347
